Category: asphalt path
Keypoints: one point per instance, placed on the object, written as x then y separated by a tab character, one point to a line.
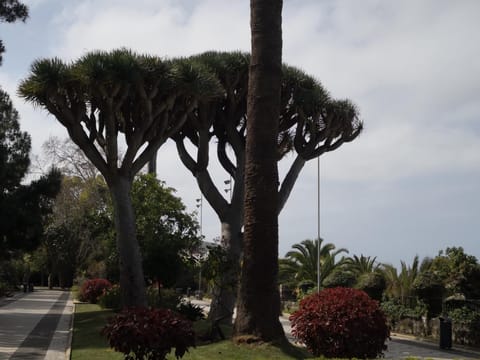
399	347
36	325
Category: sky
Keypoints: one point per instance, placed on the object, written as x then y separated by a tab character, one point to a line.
408	185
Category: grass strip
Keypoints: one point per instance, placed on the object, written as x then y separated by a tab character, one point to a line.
88	343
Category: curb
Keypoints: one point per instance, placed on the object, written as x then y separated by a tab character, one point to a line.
68	352
434	342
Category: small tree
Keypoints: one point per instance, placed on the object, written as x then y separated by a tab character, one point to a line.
105	94
167	233
311	124
459	272
22	207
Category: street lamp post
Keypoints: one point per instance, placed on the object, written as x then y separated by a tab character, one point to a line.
199	205
318	224
229	189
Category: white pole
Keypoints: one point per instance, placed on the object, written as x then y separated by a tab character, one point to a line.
200	205
318	224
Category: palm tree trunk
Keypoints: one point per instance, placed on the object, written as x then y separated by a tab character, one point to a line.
132	282
258	305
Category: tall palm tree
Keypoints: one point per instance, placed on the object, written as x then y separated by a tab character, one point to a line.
300	264
258	305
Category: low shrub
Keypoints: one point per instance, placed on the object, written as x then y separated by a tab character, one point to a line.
340	278
165	298
92	289
111	298
373	284
341	322
464	315
5	289
190	311
395	311
141	333
466	326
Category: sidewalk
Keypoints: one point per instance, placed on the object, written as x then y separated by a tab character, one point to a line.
35	325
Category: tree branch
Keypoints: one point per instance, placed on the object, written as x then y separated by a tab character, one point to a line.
211	194
289	181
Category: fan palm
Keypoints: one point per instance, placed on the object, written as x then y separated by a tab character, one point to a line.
300	264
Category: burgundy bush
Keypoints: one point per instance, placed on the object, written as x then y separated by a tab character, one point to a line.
341	322
92	289
142	333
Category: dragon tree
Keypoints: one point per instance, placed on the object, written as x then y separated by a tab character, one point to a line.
104	95
311	123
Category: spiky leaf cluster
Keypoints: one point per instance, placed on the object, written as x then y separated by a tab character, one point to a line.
311	122
103	94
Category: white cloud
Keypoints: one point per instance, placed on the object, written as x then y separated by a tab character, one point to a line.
403	150
163	28
411	66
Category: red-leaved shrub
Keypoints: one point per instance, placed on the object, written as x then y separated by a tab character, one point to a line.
92	289
341	322
143	333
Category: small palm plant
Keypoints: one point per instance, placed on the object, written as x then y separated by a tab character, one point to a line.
300	264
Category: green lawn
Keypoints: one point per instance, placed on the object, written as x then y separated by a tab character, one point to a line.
88	344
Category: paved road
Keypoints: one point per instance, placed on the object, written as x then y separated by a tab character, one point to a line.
399	347
36	325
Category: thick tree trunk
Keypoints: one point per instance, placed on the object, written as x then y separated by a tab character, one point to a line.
258	306
132	282
225	291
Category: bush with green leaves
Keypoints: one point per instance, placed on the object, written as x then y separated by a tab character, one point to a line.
396	311
340	278
465	316
149	334
190	311
373	284
5	289
341	322
393	310
111	298
163	298
466	329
